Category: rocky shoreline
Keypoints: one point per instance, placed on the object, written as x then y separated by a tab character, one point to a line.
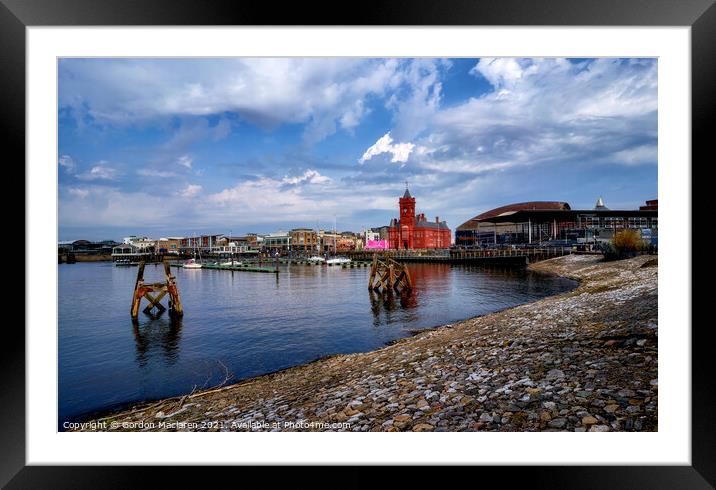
580	361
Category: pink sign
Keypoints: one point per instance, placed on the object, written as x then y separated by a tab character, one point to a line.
377	244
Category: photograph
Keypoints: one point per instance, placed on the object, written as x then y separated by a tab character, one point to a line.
357	244
436	225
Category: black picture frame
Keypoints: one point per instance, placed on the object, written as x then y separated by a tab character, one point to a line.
700	15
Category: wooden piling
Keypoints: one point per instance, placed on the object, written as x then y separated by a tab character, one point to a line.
388	274
161	289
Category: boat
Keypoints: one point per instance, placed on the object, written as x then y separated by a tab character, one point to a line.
316	258
229	263
192	264
124	263
338	261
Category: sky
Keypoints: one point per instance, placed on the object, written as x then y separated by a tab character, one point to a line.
177	147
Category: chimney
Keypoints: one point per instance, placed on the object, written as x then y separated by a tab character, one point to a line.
437	219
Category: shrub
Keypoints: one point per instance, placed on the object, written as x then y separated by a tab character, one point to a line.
626	243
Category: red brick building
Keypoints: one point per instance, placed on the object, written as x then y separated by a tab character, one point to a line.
413	232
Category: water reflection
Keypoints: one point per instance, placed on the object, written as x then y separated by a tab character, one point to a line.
384	303
157	334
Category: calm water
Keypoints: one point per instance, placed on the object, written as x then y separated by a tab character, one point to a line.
248	324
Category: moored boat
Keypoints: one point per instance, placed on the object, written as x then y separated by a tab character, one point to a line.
124	263
229	263
192	264
338	261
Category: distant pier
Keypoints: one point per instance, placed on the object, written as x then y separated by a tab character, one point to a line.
496	256
239	267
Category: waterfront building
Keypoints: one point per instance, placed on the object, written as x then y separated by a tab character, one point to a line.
554	223
348	241
169	245
128	251
304	241
202	243
412	231
251	241
254	241
146	244
86	247
230	245
136	240
278	242
328	241
370	236
383	231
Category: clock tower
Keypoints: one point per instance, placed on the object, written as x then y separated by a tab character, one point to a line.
407	208
413	231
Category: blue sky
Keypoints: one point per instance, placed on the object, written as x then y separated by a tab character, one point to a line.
181	146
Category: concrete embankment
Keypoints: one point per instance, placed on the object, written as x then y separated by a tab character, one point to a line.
581	361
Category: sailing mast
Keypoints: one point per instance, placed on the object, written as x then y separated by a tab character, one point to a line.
318	241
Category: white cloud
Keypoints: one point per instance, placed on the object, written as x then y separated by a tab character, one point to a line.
500	72
352	117
67	163
414	108
400	151
190	190
325	94
274	201
185	161
78	192
319	92
638	155
309	177
543	110
101	171
106	206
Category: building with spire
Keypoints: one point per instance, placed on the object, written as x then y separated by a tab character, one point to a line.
599	206
412	231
